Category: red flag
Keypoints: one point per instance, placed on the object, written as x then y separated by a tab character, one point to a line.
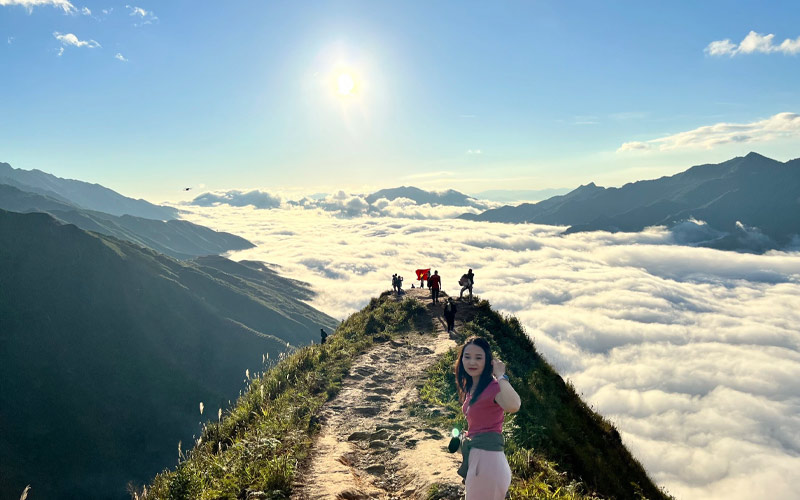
422	274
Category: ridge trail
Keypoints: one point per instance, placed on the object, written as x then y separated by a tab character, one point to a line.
370	446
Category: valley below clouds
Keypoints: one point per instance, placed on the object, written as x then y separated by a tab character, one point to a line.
693	353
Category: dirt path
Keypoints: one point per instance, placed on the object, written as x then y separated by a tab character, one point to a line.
369	445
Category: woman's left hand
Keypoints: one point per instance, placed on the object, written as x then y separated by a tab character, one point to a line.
498	368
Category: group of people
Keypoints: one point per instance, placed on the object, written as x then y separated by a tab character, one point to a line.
397	283
434	282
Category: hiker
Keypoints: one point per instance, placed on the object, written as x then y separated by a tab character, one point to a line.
394	282
466	283
323	335
399	284
435	283
450	314
485	393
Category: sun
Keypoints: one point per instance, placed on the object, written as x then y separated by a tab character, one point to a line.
345	84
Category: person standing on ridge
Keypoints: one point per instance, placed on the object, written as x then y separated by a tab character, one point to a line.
450	314
435	284
466	283
323	335
485	393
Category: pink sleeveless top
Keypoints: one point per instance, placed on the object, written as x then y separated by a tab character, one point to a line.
484	415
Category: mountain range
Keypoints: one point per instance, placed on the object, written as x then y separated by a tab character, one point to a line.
421	197
82	194
747	203
177	238
107	348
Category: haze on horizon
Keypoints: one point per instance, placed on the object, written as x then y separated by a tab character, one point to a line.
151	98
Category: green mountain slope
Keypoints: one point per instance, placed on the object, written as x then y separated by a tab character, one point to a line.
107	349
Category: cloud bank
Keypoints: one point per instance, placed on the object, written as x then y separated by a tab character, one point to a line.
779	126
692	352
753	43
340	204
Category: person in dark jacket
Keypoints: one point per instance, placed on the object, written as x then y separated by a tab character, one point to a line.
323	335
466	283
450	314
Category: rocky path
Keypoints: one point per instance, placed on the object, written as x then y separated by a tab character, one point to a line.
370	446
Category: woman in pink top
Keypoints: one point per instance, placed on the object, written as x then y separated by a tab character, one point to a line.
486	393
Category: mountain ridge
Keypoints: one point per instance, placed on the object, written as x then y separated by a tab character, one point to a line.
91	196
752	192
177	238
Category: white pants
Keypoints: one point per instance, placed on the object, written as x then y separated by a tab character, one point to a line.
489	475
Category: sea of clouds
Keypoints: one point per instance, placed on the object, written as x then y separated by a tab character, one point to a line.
693	353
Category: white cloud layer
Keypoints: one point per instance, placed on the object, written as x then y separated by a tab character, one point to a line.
70	39
341	204
120	57
693	353
780	126
752	43
64	5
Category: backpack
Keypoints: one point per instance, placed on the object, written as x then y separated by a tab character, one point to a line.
464	281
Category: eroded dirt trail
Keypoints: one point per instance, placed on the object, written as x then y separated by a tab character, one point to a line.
369	445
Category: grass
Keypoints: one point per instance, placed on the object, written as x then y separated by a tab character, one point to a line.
557	447
257	445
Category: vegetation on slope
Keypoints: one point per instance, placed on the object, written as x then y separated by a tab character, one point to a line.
106	349
554	429
558	448
257	445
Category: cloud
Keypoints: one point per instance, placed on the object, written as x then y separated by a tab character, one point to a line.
10	40
752	43
692	352
473	151
146	16
120	57
779	126
86	11
70	39
235	198
64	5
341	204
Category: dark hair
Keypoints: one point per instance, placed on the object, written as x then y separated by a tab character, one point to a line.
464	379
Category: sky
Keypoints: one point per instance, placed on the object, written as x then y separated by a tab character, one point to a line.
151	98
693	353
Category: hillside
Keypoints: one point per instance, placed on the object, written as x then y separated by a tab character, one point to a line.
177	238
82	194
368	415
107	349
749	203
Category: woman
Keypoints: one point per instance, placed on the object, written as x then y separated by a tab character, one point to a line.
485	393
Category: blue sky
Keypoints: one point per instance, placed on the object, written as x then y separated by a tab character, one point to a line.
151	97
